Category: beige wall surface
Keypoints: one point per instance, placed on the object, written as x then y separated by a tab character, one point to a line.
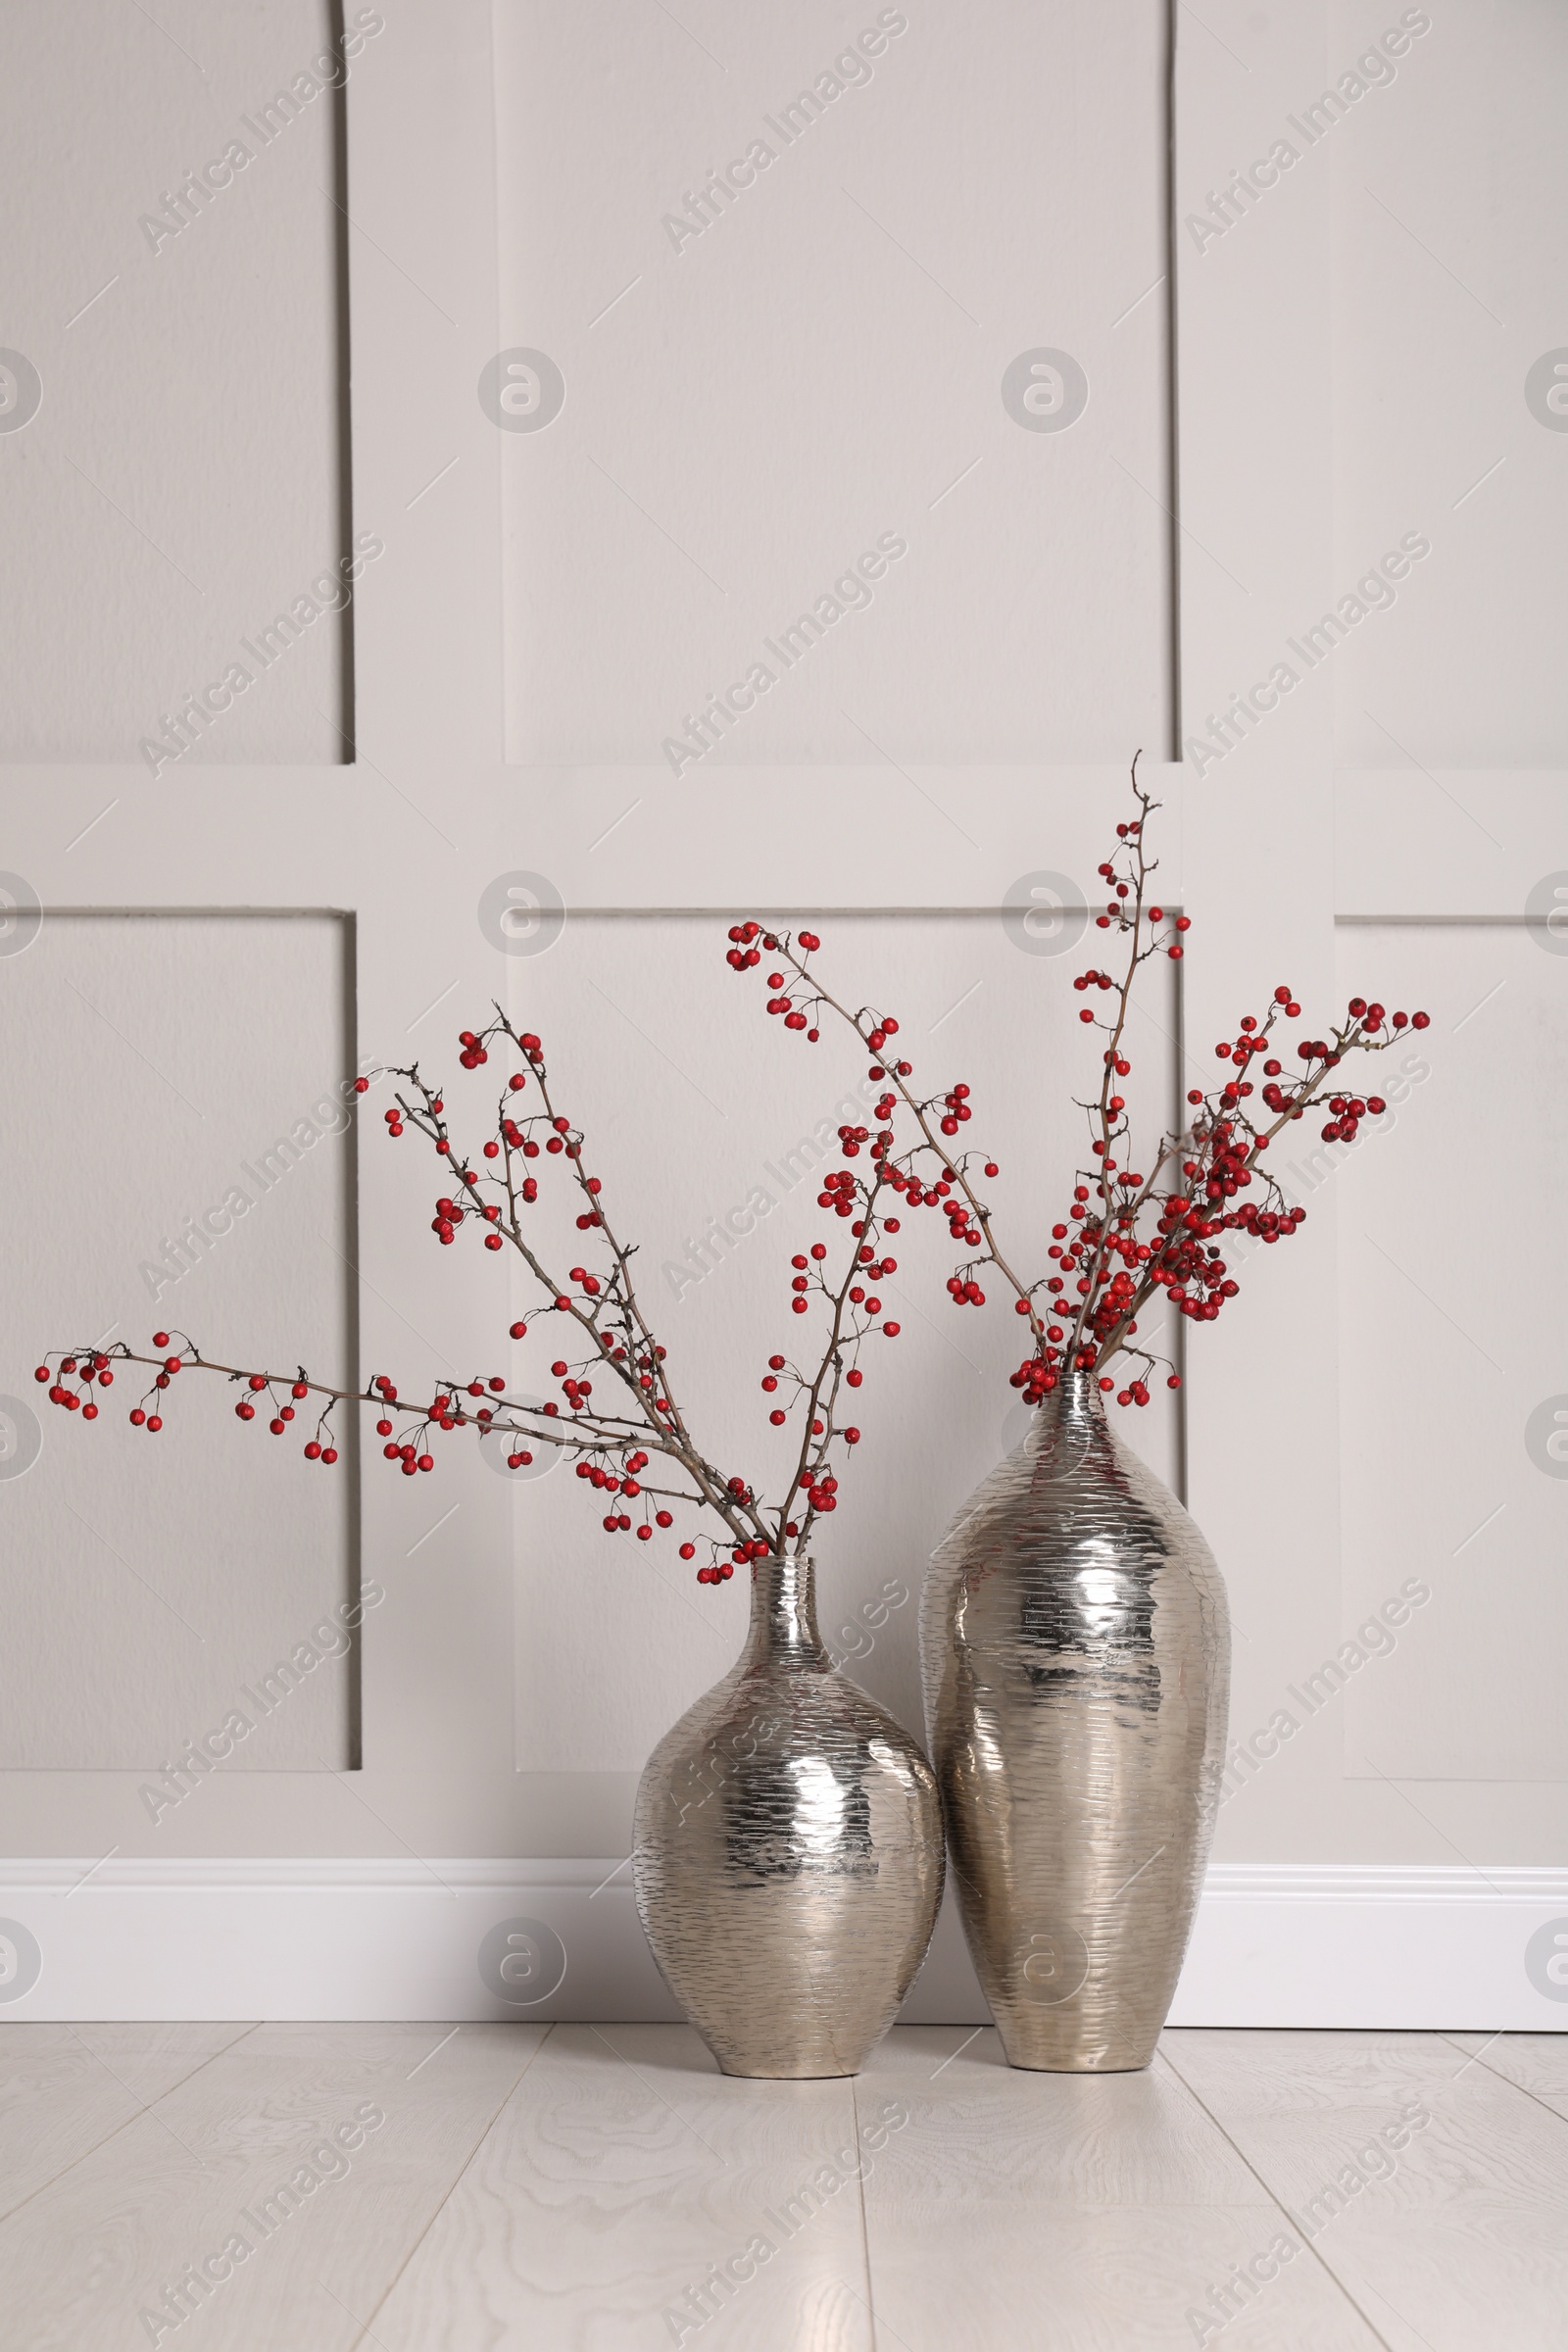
1138	425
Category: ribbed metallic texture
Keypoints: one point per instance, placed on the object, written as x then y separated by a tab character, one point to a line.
788	1851
1076	1653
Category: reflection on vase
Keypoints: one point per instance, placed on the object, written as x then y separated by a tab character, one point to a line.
788	1851
1076	1651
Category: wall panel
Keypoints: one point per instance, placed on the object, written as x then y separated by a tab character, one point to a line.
177	1154
697	1106
181	481
761	383
1450	186
1453	1289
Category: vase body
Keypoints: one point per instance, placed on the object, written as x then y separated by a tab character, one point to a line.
788	1855
1075	1649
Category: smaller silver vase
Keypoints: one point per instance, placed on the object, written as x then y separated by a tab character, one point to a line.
789	1856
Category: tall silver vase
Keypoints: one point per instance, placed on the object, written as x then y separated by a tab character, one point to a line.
788	1851
1076	1654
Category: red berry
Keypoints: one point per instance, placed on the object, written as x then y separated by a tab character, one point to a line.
160	1338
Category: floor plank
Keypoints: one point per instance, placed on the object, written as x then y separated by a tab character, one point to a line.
64	2089
1455	2239
1537	2062
621	2172
1021	2211
107	2239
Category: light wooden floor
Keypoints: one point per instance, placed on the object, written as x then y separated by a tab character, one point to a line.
537	2186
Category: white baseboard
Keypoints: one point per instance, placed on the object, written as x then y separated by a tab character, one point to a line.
1300	1946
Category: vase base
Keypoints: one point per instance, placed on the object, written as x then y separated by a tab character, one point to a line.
1081	2066
1035	2052
789	2074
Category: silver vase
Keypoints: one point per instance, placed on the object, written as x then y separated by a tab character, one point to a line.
788	1853
1076	1654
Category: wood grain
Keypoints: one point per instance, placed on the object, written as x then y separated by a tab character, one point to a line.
573	2187
623	2169
1022	2210
1537	2062
107	2240
1458	2238
64	2089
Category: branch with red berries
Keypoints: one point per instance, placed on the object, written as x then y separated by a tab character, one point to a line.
601	1334
1126	1236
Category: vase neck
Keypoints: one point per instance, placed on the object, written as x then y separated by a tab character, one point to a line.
783	1605
1071	1428
1075	1402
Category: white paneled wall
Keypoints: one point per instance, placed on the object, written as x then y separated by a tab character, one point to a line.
1447	174
178	1153
173	285
744	414
769	376
1453	1297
